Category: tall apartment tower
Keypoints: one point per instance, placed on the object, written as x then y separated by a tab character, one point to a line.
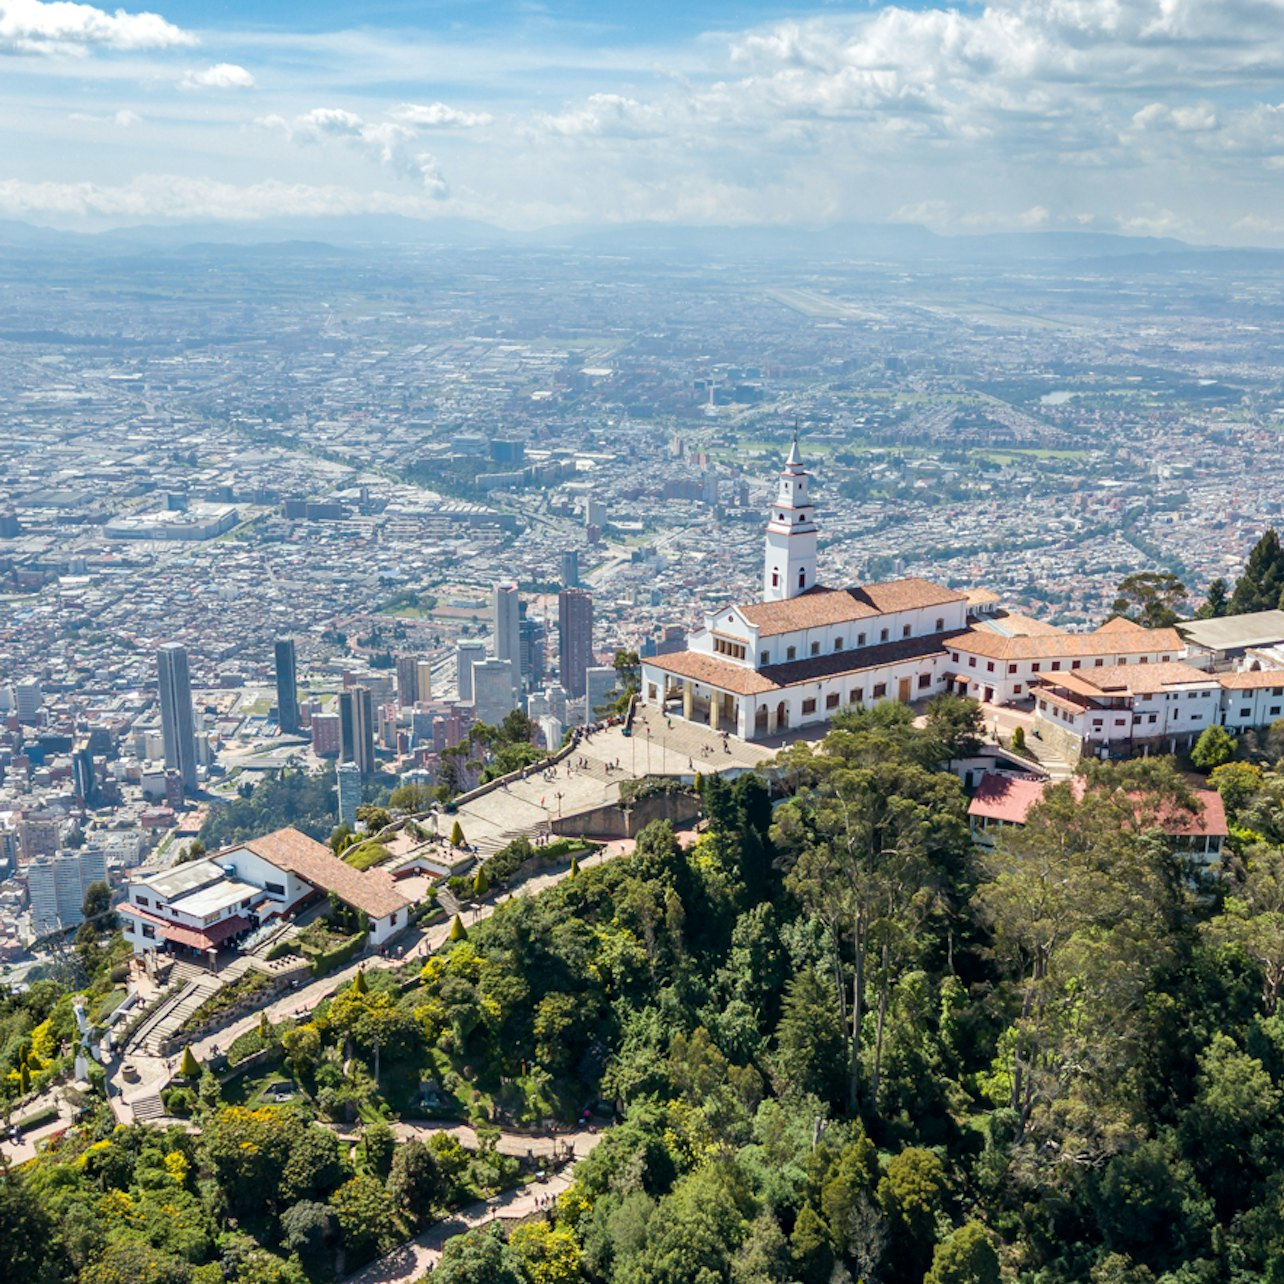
571	568
423	679
466	655
575	638
178	731
493	696
287	687
357	729
408	681
508	628
348	779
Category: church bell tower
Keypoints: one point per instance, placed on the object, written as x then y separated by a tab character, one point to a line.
790	565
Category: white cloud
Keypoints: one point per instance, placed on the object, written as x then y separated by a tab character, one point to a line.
172	196
440	116
223	75
388	142
60	27
608	115
124	118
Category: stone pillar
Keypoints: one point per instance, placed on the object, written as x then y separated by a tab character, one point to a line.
714	697
688	698
771	719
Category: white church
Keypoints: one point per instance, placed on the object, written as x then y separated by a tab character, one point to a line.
805	652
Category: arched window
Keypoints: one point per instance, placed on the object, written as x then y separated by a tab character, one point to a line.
802	577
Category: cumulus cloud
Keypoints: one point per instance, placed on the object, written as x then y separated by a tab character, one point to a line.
123	118
388	142
61	27
223	75
608	115
440	116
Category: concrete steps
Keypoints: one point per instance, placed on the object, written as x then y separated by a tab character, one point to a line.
147	1109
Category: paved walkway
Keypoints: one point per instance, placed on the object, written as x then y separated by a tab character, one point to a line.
408	1263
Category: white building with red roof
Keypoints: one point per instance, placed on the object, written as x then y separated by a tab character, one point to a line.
1004	800
208	904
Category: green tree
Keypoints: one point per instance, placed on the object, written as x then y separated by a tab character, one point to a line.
810	1248
379	1145
414	1182
98	902
364	1212
548	1254
1153	598
480	1257
1252	919
190	1067
1217	603
1237	783
1214	748
966	1257
457	835
955	726
30	1247
1261	586
458	932
811	1048
912	1194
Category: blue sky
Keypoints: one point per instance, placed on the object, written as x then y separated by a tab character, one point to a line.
1142	116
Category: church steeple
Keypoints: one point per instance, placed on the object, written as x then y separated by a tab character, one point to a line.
790	564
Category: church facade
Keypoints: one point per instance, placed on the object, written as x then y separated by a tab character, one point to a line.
805	652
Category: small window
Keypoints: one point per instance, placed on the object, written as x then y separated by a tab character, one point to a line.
392	919
802	578
1152	719
1016	690
1034	668
274	889
858	695
1011	668
149	931
1098	663
1123	659
838	644
954	655
141	900
764	657
1074	664
924	681
831	700
1274	711
775	579
809	706
905	632
940	624
1145	659
971	662
860	639
791	653
989	666
880	690
815	648
884	635
1056	665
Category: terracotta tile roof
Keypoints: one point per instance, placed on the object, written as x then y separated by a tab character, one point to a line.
1120	624
1139	679
1009	798
1252	680
821	606
372	890
740	680
992	646
712	671
197	938
1013	624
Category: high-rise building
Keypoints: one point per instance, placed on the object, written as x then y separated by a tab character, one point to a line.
57	885
177	727
348	779
531	633
493	694
27	698
423	679
408	681
507	625
575	638
39	836
84	776
327	735
571	568
357	728
466	655
601	689
287	687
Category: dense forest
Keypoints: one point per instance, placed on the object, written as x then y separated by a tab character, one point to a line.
831	1041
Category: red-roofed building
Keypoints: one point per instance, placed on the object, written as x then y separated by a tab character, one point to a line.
1002	800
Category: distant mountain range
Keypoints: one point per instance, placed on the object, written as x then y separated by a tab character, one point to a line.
311	237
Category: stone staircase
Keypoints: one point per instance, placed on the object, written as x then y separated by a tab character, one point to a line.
171	1018
148	1109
